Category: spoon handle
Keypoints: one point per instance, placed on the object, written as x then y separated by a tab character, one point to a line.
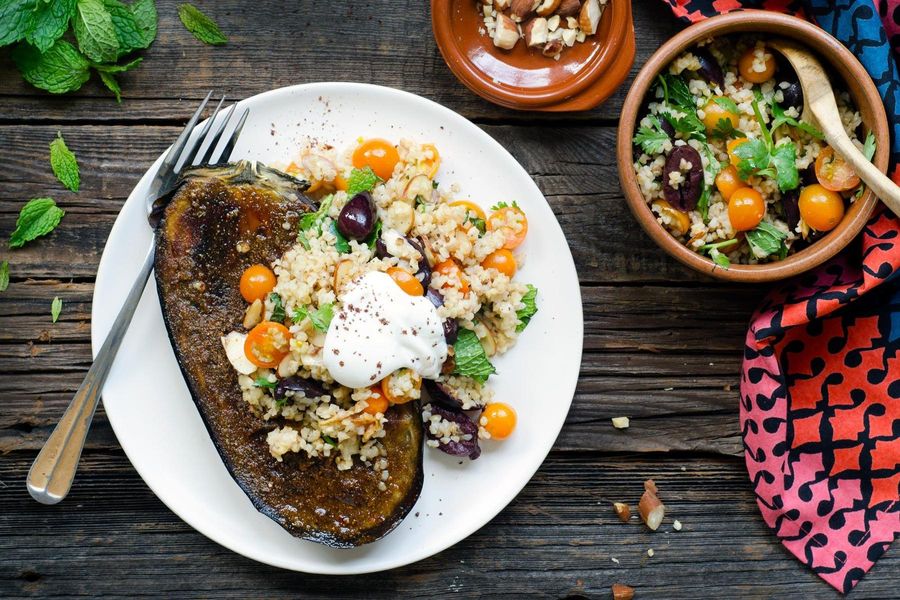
878	182
51	475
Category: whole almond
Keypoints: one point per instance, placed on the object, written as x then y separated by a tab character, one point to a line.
569	8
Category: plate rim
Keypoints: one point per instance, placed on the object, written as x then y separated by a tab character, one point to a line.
105	269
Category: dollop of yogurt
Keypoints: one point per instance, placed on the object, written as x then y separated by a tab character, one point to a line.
379	329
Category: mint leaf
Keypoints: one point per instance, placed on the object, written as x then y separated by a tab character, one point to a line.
131	36
59	70
4	275
263	382
15	19
109	80
376	233
38	217
95	31
321	317
277	307
471	360
55	309
145	18
784	159
49	22
64	164
728	104
361	180
529	310
203	28
766	239
341	244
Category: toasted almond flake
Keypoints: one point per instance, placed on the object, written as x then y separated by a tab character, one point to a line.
620	422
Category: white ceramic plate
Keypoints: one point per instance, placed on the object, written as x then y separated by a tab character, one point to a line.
152	413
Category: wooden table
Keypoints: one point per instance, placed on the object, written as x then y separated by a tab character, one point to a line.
662	345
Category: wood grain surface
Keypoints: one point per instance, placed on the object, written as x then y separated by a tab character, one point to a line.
662	345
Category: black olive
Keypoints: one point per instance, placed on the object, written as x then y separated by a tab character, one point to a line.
442	394
423	274
792	96
685	196
790	202
435	297
709	67
381	249
451	331
808	176
357	218
308	387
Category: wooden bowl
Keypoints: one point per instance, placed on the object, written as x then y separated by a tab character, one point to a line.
584	76
833	54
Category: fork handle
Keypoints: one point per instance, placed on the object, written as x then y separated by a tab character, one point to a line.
51	475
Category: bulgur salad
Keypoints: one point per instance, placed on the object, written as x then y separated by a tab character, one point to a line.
726	163
393	285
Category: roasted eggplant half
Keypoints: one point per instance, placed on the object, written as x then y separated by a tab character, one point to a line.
217	222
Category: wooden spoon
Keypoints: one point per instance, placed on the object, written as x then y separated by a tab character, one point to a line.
819	102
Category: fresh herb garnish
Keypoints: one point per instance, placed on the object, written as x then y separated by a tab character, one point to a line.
652	140
529	310
471	359
201	26
869	146
703	202
376	233
38	217
64	164
500	205
763	158
715	253
314	220
330	441
766	240
725	130
320	318
728	104
341	244
277	307
263	382
361	180
55	309
95	32
779	119
4	275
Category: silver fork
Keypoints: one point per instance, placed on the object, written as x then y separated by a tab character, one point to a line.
51	475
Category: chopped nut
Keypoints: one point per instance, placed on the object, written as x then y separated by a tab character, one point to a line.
621	591
650	486
536	32
553	23
502	4
568	8
553	48
620	422
651	510
253	315
622	510
546	7
650	552
676	525
589	17
507	33
568	37
522	9
571	22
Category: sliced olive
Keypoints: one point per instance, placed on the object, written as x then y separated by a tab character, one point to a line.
790	202
709	67
686	161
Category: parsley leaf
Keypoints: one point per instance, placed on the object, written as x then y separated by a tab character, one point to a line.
376	233
766	239
341	243
754	155
716	254
4	275
779	119
320	318
38	217
60	69
55	309
763	158
277	307
703	202
728	104
784	160
263	382
203	28
651	139
471	360
869	146
677	92
530	309
724	130
95	31
500	205
330	441
314	220
361	180
64	164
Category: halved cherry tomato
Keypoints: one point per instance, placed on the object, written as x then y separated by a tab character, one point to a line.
377	401
455	278
407	282
834	173
340	183
821	208
257	281
727	181
433	163
498	419
680	223
498	220
713	113
472	209
378	154
502	260
746	63
731	145
746	208
396	398
267	344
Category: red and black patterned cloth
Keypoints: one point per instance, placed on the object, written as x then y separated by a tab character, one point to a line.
820	388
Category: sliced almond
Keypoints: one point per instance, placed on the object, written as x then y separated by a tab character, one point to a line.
589	17
620	591
418	187
234	350
536	32
553	23
343	273
620	422
486	337
568	8
253	314
507	33
546	7
568	37
623	511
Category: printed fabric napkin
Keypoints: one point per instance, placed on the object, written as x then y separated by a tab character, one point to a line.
820	388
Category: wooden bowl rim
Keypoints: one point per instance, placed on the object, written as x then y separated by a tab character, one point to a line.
856	81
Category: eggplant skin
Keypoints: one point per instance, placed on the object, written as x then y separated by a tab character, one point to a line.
213	215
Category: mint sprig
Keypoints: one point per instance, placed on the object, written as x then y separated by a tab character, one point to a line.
38	217
64	163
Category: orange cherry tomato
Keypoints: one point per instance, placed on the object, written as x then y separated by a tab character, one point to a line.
267	344
394	398
502	260
377	401
731	145
455	278
747	70
746	208
728	181
433	163
834	173
498	419
498	220
679	222
472	209
407	282
821	208
713	113
380	155
340	183
257	281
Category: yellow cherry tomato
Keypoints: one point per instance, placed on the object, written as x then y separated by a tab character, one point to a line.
407	282
472	209
821	208
834	173
455	278
500	219
713	113
257	281
727	181
267	344
433	163
498	419
390	392
731	145
746	209
502	260
747	66
679	222
380	155
377	401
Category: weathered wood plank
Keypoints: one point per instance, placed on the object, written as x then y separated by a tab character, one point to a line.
275	44
556	539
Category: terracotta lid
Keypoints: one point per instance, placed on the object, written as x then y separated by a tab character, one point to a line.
584	76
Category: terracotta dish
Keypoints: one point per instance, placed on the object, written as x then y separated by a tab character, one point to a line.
584	76
852	77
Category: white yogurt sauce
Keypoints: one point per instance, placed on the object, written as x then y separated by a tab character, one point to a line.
379	329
